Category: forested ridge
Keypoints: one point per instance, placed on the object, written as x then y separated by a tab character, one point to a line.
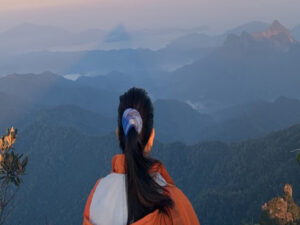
226	183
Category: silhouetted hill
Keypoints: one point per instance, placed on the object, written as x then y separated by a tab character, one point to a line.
203	42
233	180
253	119
118	34
89	102
177	121
75	117
37	48
174	120
31	87
94	62
48	89
195	41
14	112
64	166
255	26
243	69
119	82
295	32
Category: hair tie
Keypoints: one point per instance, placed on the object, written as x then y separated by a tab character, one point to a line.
132	118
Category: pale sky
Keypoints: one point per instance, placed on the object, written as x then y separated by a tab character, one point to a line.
219	15
17	5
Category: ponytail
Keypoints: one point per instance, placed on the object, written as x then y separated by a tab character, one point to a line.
143	193
135	123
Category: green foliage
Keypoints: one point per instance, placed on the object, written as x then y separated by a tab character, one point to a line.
13	167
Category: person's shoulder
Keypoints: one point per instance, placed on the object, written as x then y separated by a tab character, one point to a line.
183	211
94	189
108	197
105	184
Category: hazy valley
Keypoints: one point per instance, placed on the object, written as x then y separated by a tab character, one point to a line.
227	113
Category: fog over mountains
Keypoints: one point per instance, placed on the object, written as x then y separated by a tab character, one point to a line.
37	48
245	68
79	104
28	37
258	67
226	109
209	72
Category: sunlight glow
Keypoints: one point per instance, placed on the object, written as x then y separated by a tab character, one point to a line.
19	5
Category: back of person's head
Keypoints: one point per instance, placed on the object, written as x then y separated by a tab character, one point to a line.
135	126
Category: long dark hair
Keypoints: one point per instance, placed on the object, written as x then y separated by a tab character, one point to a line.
144	195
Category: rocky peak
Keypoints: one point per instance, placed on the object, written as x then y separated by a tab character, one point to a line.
276	33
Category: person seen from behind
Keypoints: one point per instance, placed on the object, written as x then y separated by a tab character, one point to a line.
139	190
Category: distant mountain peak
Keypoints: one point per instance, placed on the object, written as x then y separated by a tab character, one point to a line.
118	34
277	24
277	28
276	33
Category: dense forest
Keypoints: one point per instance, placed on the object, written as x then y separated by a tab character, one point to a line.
233	180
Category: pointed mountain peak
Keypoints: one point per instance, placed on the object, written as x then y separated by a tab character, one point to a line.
276	23
276	33
277	27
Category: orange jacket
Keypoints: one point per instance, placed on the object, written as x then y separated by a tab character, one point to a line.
105	204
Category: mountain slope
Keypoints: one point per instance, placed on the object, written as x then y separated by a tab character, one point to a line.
119	82
233	180
75	117
238	72
255	26
177	121
252	120
15	112
277	34
296	32
64	165
48	89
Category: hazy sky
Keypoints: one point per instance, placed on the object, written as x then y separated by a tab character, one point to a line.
219	15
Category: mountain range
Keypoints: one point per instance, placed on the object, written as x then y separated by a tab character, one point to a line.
28	37
296	32
233	180
88	102
48	89
243	69
90	57
210	77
